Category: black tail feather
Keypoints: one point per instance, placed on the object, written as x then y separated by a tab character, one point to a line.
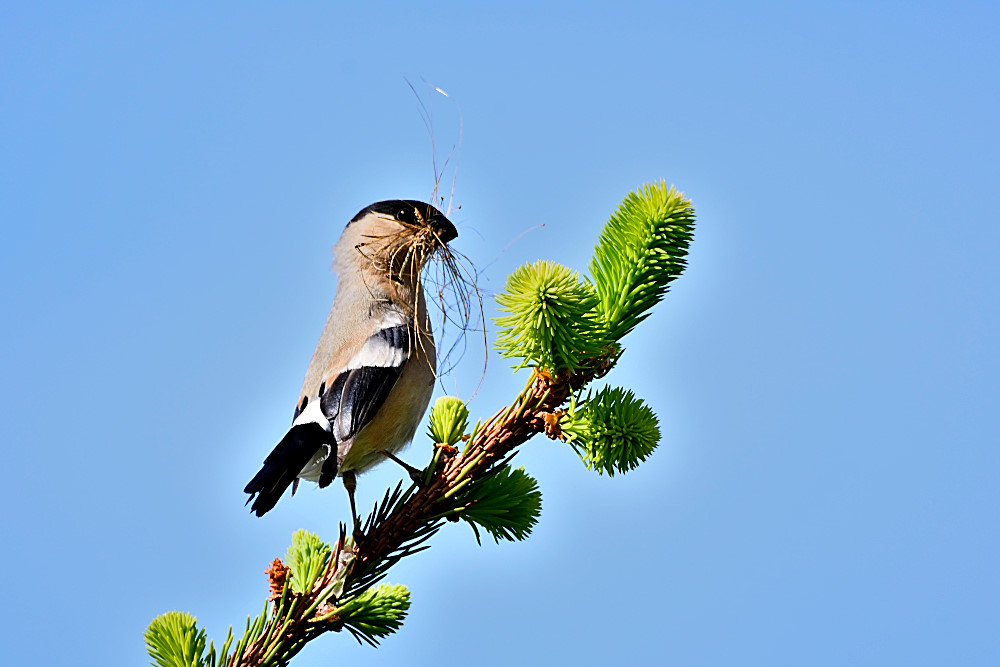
284	464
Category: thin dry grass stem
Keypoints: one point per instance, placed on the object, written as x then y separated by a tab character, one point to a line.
427	116
454	180
403	256
454	282
400	257
510	243
452	273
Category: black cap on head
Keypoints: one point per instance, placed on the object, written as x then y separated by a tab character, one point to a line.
405	210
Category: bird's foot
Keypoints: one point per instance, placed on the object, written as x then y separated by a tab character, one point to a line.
416	474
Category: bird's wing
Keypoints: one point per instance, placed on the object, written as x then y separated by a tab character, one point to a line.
284	463
354	396
348	402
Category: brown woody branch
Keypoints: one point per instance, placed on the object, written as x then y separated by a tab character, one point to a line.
297	619
507	429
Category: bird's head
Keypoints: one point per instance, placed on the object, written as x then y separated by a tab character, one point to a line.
398	236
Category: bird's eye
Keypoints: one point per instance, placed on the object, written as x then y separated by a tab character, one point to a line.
404	215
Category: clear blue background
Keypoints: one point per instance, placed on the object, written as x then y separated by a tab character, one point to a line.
173	175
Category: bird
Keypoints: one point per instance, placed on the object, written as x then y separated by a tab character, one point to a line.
373	371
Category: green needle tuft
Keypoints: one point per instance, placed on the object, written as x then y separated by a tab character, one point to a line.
642	249
374	614
449	419
506	503
174	640
613	431
307	557
551	321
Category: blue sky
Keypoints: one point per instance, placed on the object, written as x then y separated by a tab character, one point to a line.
172	177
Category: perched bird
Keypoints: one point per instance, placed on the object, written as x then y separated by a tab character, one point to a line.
373	371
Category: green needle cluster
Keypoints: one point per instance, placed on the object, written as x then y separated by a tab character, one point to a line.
506	503
557	321
552	318
642	249
375	613
448	421
613	431
174	640
307	557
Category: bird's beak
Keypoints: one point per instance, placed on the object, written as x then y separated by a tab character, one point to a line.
443	228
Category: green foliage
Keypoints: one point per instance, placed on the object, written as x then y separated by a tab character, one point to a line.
174	640
506	503
551	321
641	251
253	631
449	419
375	613
613	431
365	575
556	321
307	557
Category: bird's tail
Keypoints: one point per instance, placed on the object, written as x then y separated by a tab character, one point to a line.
285	462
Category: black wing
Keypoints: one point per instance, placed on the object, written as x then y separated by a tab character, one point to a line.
355	396
351	401
284	464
